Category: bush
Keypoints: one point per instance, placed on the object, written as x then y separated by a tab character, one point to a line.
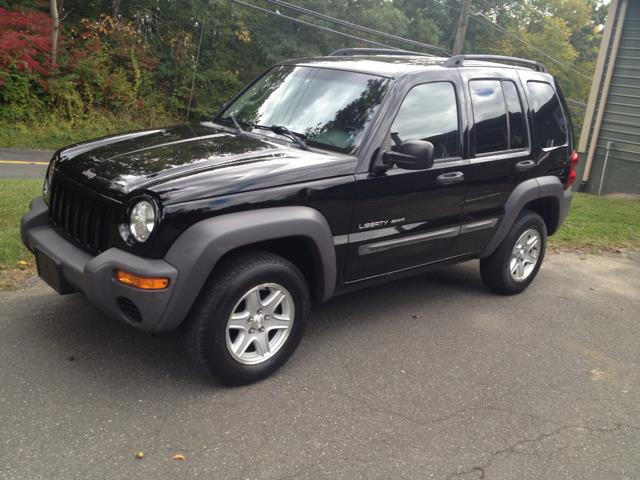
104	65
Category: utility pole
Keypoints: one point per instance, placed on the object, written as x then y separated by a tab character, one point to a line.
461	29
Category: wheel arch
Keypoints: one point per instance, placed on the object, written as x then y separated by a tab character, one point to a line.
299	250
548	209
300	230
544	195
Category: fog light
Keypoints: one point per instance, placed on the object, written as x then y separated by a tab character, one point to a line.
144	283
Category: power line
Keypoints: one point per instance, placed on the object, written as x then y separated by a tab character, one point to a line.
313	25
345	23
533	47
577	102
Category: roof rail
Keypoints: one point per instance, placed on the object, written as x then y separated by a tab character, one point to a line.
343	52
458	61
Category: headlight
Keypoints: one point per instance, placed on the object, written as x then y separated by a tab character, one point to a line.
142	220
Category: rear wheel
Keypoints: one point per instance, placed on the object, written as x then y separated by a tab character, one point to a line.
516	261
249	318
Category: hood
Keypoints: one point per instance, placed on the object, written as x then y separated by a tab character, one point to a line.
192	161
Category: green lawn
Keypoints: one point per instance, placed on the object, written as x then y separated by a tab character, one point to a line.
15	196
600	223
593	223
51	132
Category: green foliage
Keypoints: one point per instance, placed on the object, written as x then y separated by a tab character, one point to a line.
138	64
19	102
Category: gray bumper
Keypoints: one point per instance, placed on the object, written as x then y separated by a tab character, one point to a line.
94	276
565	204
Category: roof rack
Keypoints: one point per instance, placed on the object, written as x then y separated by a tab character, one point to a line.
344	52
458	61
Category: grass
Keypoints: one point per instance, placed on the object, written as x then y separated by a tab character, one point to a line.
15	196
593	224
600	223
52	132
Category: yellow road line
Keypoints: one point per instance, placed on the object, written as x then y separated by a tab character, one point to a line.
23	162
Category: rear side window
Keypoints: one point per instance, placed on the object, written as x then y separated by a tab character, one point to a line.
430	112
498	116
549	123
517	128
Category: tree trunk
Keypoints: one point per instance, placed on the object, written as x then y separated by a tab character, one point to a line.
461	30
116	9
55	27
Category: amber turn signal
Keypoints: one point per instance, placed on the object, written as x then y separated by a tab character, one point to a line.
145	283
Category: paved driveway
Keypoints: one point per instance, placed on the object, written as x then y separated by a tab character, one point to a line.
431	377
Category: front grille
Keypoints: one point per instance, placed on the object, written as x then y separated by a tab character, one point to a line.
82	216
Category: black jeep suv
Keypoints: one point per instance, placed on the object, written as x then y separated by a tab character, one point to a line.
322	176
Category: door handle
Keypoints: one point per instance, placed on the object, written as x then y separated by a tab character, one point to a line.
450	178
525	165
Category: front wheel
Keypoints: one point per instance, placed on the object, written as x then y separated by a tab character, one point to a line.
250	317
516	261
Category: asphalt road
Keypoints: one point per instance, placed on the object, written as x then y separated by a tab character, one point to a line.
431	377
21	163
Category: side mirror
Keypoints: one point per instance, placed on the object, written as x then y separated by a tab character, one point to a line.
409	155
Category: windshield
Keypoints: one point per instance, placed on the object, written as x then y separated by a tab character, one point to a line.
326	108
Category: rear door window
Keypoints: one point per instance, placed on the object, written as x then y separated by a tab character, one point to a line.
490	116
549	122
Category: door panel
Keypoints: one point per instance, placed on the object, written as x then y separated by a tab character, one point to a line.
493	175
404	218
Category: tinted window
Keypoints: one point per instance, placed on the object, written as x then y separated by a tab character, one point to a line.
517	128
549	123
490	116
429	112
329	108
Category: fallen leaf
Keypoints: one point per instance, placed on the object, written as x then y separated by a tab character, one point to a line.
23	264
179	456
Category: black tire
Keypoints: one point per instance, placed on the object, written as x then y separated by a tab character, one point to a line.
206	333
495	269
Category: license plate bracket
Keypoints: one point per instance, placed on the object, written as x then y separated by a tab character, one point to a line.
50	271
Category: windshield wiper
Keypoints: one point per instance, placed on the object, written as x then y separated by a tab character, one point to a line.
282	130
237	126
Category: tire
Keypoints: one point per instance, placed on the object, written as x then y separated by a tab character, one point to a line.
497	270
212	336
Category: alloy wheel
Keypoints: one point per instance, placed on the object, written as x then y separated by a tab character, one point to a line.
260	323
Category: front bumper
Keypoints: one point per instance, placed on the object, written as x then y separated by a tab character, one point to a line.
94	276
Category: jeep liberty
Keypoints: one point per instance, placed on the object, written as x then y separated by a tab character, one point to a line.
322	176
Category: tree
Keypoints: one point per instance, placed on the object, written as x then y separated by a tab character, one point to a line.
55	28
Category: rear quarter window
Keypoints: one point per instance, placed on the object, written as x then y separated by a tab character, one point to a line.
549	122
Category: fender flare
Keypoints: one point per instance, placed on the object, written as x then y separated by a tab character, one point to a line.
199	248
527	191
